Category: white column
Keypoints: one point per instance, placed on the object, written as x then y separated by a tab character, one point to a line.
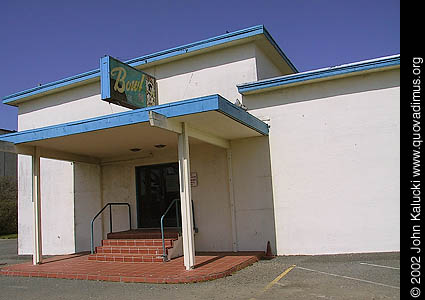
37	256
232	201
186	199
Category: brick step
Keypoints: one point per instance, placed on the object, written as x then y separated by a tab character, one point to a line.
137	242
154	250
127	258
141	234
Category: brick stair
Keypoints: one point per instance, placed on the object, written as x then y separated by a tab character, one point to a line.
134	247
130	250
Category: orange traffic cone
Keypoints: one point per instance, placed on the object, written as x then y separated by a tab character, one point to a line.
269	254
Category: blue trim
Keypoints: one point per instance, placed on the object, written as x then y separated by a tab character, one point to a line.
174	109
51	86
161	55
105	79
218	40
241	116
319	74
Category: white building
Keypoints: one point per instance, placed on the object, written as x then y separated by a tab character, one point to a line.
312	166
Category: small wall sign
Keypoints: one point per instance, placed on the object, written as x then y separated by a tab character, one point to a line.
193	179
126	86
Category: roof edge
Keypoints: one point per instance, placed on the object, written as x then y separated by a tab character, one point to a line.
281	53
325	73
146	59
213	102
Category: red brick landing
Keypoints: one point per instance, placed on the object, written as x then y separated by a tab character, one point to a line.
208	266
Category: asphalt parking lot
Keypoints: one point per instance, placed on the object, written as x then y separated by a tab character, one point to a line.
347	276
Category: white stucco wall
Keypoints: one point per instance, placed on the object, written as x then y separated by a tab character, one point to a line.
253	194
211	198
25	206
57	211
216	72
335	159
119	185
87	203
74	104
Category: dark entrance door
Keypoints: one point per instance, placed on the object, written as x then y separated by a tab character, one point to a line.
156	187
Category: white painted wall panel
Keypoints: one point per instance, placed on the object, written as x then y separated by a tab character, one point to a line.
253	194
211	198
57	200
215	72
57	211
25	206
119	185
335	163
70	105
88	203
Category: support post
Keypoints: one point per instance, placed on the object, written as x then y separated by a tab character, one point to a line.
102	203
36	198
186	199
232	201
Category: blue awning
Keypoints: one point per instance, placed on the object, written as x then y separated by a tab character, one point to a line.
213	115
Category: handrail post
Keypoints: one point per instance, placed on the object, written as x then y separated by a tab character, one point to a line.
164	256
110	218
129	215
177	216
91	238
193	216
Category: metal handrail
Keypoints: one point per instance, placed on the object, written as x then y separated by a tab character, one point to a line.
164	254
110	220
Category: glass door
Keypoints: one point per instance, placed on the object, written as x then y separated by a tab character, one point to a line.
156	187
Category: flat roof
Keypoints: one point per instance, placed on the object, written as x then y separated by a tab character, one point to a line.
319	74
182	51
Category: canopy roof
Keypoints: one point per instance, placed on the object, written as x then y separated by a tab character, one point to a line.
211	119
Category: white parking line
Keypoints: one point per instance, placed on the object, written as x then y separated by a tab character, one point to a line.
17	287
352	278
380	266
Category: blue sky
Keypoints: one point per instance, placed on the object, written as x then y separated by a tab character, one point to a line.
44	41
